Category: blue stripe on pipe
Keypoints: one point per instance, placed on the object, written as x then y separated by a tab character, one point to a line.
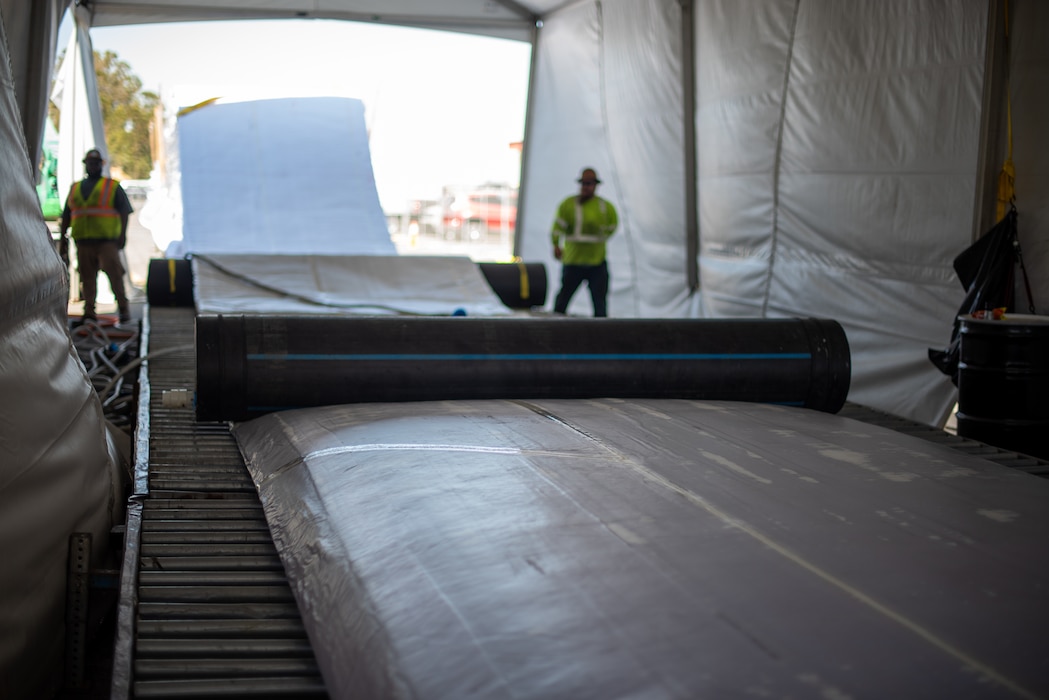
271	409
266	357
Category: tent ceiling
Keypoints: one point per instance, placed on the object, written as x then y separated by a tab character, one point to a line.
510	19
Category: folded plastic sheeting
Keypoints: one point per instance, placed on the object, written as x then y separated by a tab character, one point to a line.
56	471
340	285
650	548
280	176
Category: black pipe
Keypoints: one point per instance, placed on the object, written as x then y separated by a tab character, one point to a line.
169	282
251	365
518	285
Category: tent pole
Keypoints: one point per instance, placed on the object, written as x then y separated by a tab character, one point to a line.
36	81
688	84
991	153
526	146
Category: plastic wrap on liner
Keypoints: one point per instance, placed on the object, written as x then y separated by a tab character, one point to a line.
648	548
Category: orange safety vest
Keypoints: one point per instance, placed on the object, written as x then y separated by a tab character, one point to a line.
96	217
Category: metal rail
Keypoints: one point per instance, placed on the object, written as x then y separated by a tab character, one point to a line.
998	455
210	612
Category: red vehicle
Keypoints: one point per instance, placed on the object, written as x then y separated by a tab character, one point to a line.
476	213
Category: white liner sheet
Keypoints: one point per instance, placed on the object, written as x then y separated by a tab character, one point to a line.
656	549
288	175
340	285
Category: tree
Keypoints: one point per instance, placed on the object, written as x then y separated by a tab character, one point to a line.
127	112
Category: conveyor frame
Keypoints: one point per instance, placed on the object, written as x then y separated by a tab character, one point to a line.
205	607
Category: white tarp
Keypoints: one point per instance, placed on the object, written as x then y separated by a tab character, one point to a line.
340	285
279	176
57	472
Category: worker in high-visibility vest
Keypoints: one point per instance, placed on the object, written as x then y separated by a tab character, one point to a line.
98	209
584	221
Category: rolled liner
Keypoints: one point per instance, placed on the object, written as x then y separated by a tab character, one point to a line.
248	366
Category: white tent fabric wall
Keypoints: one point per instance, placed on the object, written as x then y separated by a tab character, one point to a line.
740	57
1030	110
57	472
608	95
860	129
76	95
32	34
837	151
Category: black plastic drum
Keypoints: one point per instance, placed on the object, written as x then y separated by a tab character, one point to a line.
518	285
1003	383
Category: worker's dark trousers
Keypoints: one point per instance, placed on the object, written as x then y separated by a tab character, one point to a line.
596	278
101	255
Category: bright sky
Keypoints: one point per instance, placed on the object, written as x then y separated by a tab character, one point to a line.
442	108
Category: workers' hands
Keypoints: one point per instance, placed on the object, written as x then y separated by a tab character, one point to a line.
122	241
63	250
557	252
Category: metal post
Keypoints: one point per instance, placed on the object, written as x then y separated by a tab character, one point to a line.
688	92
76	608
991	151
522	188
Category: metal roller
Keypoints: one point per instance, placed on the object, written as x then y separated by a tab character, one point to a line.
252	365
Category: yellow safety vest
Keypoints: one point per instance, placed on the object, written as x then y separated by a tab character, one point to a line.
584	226
96	217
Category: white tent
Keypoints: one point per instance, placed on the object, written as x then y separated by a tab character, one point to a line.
769	158
774	158
844	154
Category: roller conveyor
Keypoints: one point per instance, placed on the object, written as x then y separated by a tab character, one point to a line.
211	609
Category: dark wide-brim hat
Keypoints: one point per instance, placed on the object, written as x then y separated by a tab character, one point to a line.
595	178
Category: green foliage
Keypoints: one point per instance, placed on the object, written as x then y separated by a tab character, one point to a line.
127	113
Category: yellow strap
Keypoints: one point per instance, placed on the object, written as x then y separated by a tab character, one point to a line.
193	108
1007	175
171	274
524	279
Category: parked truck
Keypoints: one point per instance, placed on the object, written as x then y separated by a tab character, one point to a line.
478	212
